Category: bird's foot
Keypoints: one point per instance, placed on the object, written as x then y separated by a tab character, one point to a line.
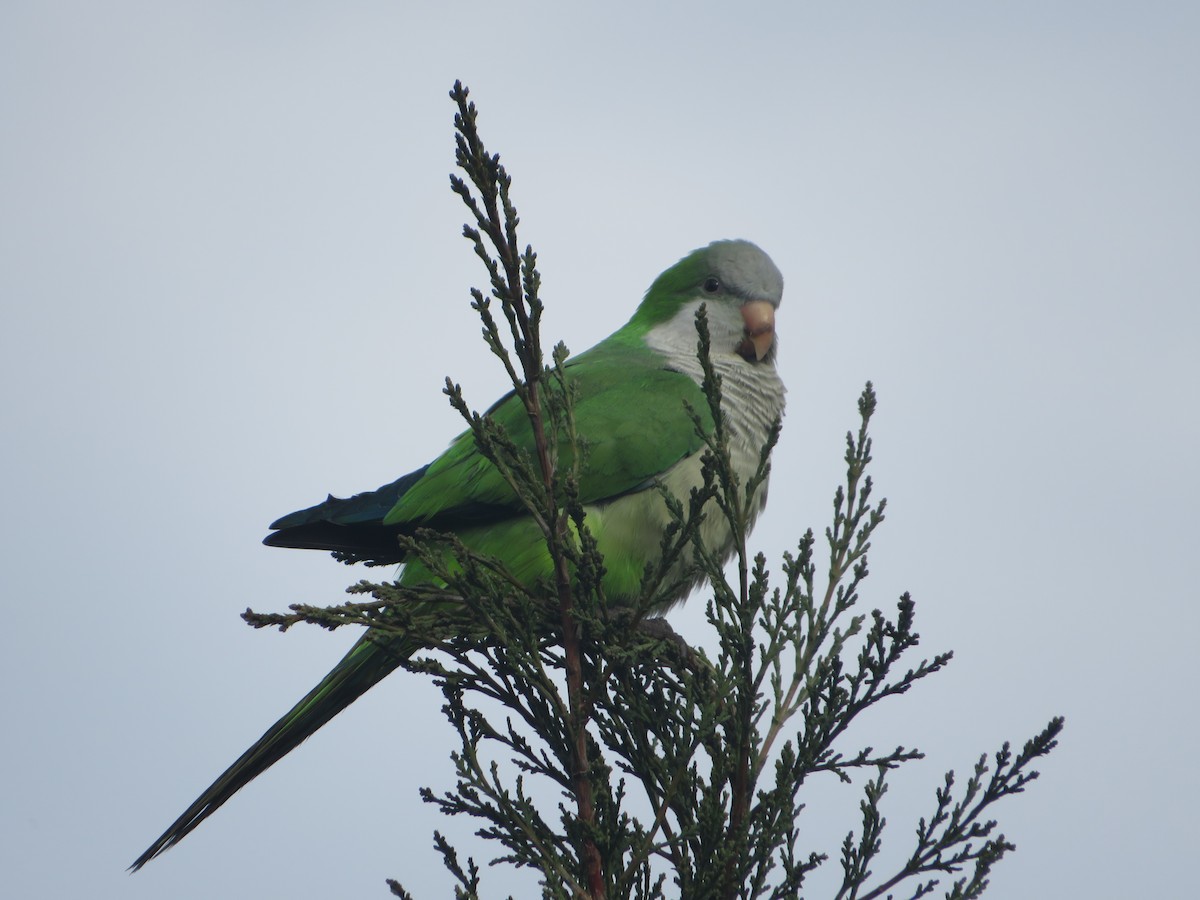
659	629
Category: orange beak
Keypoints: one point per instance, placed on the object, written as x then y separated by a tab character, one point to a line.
759	316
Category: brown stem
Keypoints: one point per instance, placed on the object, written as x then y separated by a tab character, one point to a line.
740	805
573	654
500	230
580	769
573	660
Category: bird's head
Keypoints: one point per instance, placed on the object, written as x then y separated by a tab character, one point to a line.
740	287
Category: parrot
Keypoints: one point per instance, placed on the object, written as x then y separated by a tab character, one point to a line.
633	391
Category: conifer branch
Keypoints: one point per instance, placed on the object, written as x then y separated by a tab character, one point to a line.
680	766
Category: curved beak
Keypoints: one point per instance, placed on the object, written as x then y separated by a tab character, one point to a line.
759	316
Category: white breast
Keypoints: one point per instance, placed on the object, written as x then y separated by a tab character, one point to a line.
752	398
752	394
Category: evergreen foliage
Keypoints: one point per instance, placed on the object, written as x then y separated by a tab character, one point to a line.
679	773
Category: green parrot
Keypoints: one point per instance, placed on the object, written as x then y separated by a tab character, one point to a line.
630	410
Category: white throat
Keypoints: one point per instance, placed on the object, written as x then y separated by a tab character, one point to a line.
752	394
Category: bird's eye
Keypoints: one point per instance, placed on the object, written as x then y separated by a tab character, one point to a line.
711	285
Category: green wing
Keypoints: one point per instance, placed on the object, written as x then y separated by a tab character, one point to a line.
629	413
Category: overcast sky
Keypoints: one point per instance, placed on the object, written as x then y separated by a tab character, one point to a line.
232	282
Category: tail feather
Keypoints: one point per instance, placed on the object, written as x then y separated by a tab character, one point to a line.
374	544
367	508
352	527
364	666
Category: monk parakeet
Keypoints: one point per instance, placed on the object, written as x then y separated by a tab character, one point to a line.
629	409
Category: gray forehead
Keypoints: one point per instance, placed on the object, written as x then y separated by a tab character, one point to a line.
746	270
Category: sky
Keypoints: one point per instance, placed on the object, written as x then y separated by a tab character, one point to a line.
232	282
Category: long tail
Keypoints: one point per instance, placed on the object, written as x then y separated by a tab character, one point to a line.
363	667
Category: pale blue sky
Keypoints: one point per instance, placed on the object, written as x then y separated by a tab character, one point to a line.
232	282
